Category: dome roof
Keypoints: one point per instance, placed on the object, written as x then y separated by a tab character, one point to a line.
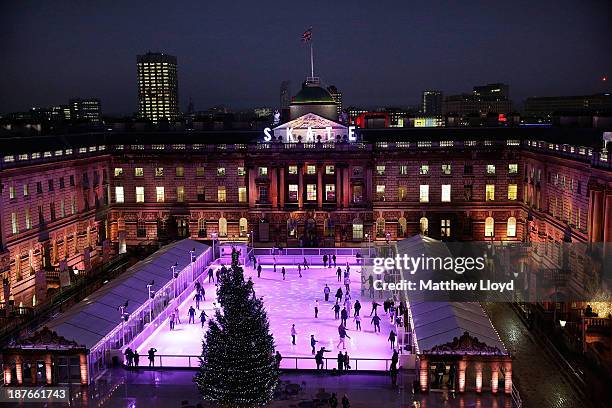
313	94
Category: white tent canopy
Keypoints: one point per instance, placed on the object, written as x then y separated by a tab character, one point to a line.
97	315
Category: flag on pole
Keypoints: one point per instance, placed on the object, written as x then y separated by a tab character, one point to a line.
307	36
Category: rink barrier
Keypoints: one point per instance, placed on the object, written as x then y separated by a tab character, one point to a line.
288	363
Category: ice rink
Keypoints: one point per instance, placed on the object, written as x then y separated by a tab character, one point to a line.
287	302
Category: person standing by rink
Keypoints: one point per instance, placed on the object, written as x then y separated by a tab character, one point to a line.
191	314
333	259
259	271
197	299
357	319
254	262
283	272
316	309
313	342
319	357
203	317
339	274
343	316
136	358
325	261
343	335
347	361
340	362
336	308
151	354
293	334
210	275
376	323
326	291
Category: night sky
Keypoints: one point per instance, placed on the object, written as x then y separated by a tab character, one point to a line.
379	53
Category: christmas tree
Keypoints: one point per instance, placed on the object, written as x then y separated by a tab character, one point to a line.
238	368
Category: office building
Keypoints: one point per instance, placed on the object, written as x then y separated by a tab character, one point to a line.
157	87
431	103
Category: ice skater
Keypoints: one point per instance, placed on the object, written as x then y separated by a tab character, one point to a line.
197	299
349	305
203	317
347	361
178	315
339	274
333	259
259	271
151	354
339	295
343	316
316	309
203	293
326	291
392	336
343	335
210	276
293	334
340	362
347	284
336	308
300	270
376	323
283	272
172	317
313	342
306	264
191	314
357	307
374	307
319	357
357	320
325	261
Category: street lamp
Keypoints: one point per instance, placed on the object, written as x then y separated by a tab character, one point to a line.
151	296
192	259
562	323
368	238
174	275
123	315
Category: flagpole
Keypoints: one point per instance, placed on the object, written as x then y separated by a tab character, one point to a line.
311	62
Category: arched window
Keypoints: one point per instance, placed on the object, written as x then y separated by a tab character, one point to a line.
402	226
423	225
357	229
489	227
201	228
380	227
244	226
222	227
511	229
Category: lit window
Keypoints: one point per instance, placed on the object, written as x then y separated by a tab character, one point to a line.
330	169
26	190
293	170
200	172
28	219
263	171
512	191
310	169
380	170
118	171
424	193
220	171
241	171
242	194
138	172
159	172
403	170
490	192
180	194
330	192
424	170
402	193
140	194
159	194
445	228
14	225
293	192
221	196
446	169
511	229
357	229
119	198
11	192
446	193
490	169
311	192
380	192
489	227
180	172
423	225
513	168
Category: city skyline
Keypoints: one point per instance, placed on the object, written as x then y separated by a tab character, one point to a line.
411	53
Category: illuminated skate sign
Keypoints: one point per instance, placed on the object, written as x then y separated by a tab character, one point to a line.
311	128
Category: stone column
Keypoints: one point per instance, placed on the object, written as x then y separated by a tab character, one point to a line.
494	377
346	186
252	188
424	374
596	218
339	171
607	236
19	370
508	377
83	368
300	186
281	189
7	374
478	369
273	188
48	369
320	186
462	366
